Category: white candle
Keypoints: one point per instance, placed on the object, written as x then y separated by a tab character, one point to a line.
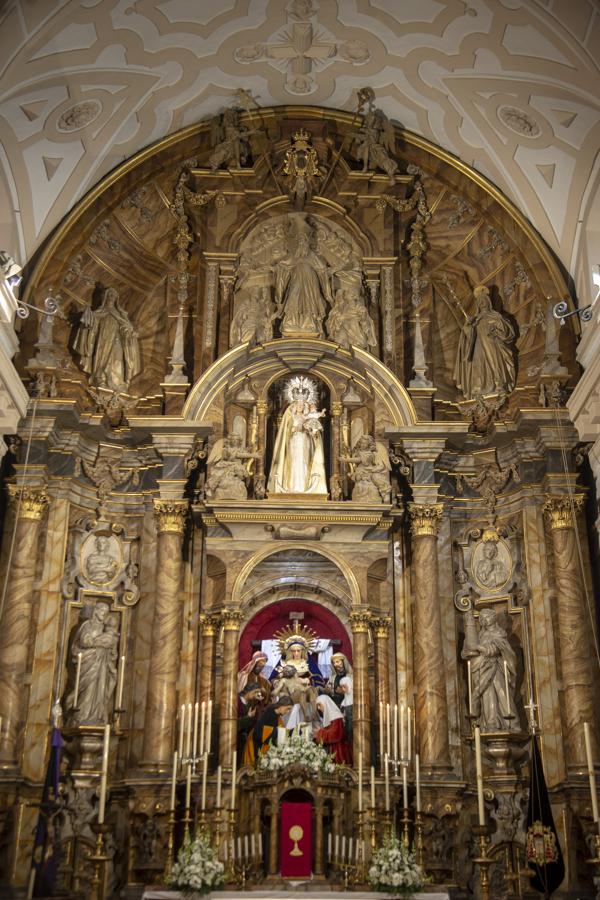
188	731
77	677
209	726
246	853
188	786
104	775
343	847
372	787
408	733
337	846
329	846
418	781
31	884
388	748
260	850
195	739
590	768
225	851
360	779
405	787
233	776
252	845
204	772
181	729
387	782
173	782
239	847
470	686
219	778
381	729
479	773
232	849
121	683
506	688
357	849
402	746
350	845
396	731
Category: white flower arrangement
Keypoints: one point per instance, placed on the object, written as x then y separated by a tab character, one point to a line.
394	869
198	869
297	751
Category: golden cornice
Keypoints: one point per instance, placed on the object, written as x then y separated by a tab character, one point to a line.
320	516
170	516
30	502
425	519
559	510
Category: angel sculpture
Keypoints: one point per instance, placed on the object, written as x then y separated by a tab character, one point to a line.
370	471
228	469
374	142
229	140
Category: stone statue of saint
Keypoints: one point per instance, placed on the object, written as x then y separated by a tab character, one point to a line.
298	465
97	639
371	472
349	324
493	667
490	571
485	362
302	290
230	141
228	470
253	318
108	345
374	142
101	566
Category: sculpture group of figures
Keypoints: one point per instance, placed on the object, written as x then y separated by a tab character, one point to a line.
298	462
295	285
295	699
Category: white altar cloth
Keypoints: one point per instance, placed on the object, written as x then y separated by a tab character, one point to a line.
313	892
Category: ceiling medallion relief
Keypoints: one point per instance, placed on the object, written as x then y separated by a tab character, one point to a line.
519	121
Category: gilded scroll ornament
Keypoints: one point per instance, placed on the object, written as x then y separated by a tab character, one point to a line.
170	516
425	519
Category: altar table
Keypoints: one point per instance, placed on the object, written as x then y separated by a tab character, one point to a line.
312	892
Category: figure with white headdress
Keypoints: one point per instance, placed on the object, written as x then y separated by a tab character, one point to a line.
332	733
298	465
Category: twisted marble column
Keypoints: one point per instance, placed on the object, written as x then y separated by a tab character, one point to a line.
361	714
380	627
167	626
15	625
429	674
573	629
230	619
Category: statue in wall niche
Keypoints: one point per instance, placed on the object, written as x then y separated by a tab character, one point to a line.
298	465
108	345
227	469
97	640
493	672
349	323
485	362
302	289
253	317
230	141
370	469
374	142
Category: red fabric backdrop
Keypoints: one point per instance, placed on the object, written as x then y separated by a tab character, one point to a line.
295	840
270	619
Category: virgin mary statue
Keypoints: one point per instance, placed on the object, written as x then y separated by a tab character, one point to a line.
298	465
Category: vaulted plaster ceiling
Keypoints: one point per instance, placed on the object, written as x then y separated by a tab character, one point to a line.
511	87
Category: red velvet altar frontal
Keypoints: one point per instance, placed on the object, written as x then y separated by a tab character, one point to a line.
295	840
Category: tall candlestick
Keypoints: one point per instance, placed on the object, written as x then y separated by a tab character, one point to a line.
405	787
77	677
418	782
120	682
104	775
208	726
470	686
204	772
233	776
388	726
372	787
387	782
479	773
360	778
188	731
591	772
219	778
396	732
402	747
506	688
408	734
181	729
173	782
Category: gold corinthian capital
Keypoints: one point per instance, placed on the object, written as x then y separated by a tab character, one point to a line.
170	515
30	501
359	621
425	519
231	619
559	510
381	626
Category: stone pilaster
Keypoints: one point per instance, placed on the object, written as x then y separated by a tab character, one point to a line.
429	674
361	724
230	619
15	622
170	516
574	628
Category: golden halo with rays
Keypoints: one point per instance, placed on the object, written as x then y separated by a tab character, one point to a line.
296	634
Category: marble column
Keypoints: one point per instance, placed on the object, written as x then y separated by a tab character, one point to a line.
167	626
361	721
230	619
15	624
380	627
206	687
429	672
574	629
261	416
318	862
336	415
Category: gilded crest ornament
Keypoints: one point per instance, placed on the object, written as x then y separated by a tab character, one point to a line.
541	847
301	166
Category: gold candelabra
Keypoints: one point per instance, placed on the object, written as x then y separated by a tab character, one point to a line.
405	827
170	844
99	858
483	860
419	840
